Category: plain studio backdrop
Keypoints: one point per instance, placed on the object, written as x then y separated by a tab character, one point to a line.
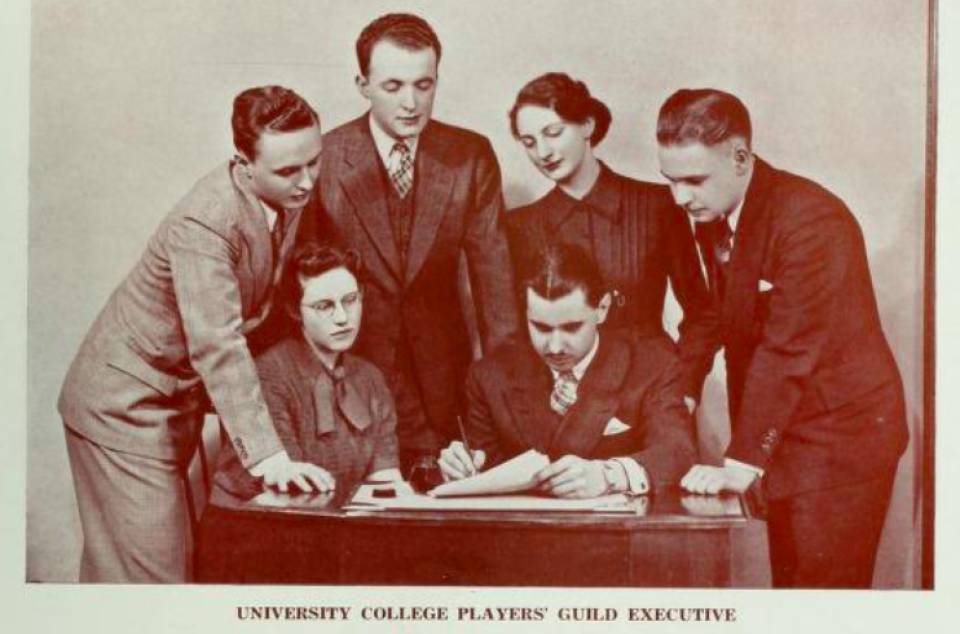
130	105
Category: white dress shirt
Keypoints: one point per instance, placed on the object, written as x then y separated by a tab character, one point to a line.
385	143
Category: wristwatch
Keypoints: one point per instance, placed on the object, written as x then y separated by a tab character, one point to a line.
610	476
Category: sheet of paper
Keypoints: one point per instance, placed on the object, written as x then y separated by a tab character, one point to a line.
407	500
513	475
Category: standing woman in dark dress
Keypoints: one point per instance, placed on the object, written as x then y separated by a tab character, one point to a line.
637	235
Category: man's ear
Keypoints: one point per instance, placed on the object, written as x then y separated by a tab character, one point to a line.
604	307
363	86
741	155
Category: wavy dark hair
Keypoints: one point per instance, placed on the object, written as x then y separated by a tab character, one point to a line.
567	97
703	115
271	108
559	269
403	29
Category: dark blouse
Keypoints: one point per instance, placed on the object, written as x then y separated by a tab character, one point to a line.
343	421
640	239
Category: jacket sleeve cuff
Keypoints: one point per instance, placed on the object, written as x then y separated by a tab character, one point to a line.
638	483
730	462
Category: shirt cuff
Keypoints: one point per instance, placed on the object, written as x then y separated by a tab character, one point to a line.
730	462
638	483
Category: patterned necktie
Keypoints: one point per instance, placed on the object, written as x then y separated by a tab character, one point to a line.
716	243
401	168
564	393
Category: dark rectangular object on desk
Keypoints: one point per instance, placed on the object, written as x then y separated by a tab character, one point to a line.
677	541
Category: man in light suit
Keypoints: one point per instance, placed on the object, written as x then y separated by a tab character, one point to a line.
411	195
174	333
607	409
816	401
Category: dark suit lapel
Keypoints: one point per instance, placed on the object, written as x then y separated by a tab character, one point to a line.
598	399
748	252
362	181
434	182
527	394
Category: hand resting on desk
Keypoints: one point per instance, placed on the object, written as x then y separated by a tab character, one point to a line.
573	477
710	480
281	473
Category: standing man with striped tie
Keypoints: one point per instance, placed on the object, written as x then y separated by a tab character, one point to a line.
411	195
816	402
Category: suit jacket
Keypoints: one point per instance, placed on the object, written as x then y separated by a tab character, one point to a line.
638	380
815	396
417	303
177	324
349	434
640	239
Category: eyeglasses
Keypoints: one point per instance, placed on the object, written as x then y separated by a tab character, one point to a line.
326	307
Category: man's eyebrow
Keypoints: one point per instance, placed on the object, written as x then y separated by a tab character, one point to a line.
297	165
689	177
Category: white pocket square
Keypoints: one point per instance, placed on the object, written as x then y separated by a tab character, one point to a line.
615	426
765	286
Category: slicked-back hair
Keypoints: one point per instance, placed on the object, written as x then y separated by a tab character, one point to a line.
403	29
268	109
704	115
570	99
559	269
313	259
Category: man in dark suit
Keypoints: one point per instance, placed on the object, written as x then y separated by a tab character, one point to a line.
816	401
608	410
411	194
174	333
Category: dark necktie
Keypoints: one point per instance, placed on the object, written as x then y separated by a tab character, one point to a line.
716	243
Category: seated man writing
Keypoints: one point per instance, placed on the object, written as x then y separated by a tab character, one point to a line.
608	410
331	409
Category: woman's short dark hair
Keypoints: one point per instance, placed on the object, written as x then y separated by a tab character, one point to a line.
403	29
270	108
557	270
568	98
310	260
703	115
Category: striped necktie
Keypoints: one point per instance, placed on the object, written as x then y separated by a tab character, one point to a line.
564	393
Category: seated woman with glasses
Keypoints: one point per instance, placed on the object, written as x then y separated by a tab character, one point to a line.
330	408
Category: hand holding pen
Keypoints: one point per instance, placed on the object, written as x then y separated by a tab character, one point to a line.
458	461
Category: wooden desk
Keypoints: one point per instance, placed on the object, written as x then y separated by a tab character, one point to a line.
673	540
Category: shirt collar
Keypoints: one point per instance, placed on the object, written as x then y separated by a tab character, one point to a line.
385	142
581	367
603	197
